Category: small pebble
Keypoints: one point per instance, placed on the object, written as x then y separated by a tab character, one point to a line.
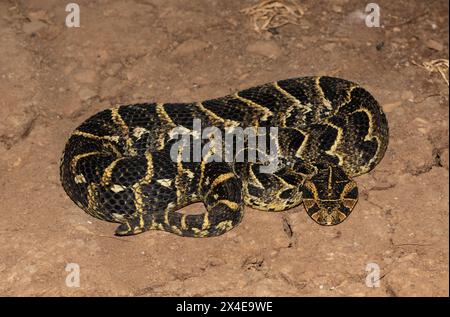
85	76
86	93
337	9
329	47
189	47
388	107
407	95
38	15
434	45
268	49
113	69
33	26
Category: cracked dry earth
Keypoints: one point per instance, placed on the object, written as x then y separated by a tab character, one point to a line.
53	77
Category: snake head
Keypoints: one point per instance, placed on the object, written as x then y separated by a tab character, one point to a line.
329	196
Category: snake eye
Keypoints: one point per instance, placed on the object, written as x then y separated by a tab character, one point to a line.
352	191
286	193
310	191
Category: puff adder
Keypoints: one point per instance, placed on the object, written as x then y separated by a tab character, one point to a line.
117	165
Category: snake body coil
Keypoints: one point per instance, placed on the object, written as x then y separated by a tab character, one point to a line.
119	165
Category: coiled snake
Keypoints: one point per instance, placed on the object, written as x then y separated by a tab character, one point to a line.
119	165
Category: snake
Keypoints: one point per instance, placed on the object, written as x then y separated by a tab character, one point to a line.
139	164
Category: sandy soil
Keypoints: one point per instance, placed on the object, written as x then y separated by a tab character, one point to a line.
54	77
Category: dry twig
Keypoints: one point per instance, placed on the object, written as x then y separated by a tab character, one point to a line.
436	65
272	14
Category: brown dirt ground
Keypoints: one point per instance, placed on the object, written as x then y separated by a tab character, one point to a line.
54	77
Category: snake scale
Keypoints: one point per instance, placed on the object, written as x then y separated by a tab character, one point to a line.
118	165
